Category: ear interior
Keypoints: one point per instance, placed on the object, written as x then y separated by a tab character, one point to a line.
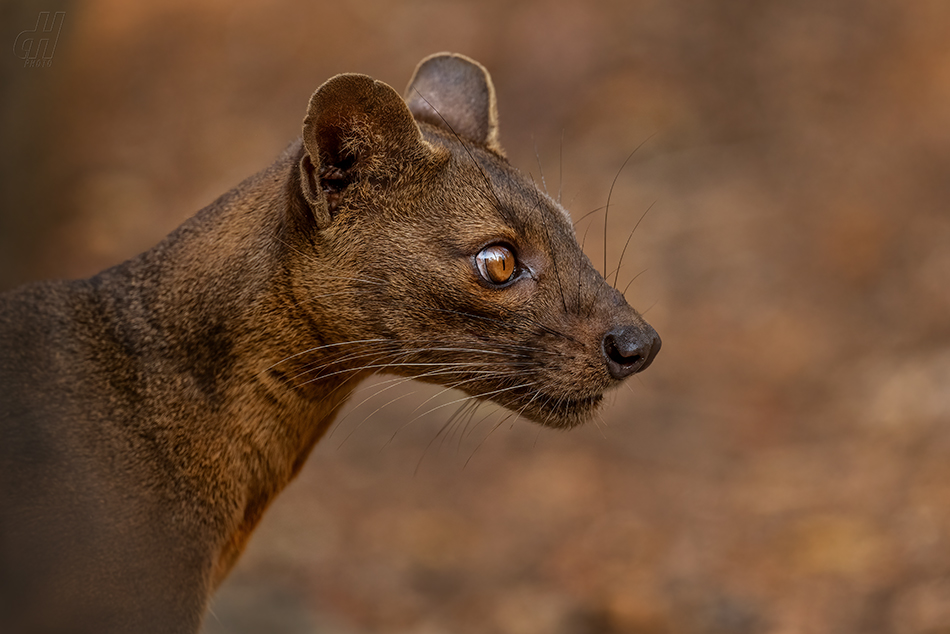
354	125
456	93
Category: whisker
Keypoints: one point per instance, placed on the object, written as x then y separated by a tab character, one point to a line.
580	260
471	416
601	429
380	365
457	384
620	261
405	352
317	348
600	287
537	437
490	432
610	193
442	429
627	287
479	396
460	414
522	409
413	364
323	364
390	384
537	156
368	416
589	213
464	398
560	166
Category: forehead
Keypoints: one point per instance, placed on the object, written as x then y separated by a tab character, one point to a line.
512	198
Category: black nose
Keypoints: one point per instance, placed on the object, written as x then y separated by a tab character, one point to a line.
630	349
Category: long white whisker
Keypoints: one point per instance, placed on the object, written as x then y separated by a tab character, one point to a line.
490	432
455	385
323	347
403	352
399	381
481	395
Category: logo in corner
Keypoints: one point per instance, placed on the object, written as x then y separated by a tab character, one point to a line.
36	46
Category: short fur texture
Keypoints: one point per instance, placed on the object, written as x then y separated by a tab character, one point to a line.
149	415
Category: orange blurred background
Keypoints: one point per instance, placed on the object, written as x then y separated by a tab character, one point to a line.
783	467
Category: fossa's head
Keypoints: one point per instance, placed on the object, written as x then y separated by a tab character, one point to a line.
425	254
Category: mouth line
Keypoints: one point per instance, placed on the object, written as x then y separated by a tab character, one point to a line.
556	404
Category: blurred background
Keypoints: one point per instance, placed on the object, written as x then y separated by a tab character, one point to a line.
783	467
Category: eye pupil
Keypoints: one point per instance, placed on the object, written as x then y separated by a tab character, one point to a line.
496	264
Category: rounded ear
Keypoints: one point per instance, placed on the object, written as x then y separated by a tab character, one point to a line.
456	93
354	125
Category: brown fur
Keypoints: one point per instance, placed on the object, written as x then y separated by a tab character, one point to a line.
151	413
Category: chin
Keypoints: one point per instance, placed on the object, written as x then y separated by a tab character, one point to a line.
559	412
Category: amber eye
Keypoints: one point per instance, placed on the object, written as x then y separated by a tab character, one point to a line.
496	264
